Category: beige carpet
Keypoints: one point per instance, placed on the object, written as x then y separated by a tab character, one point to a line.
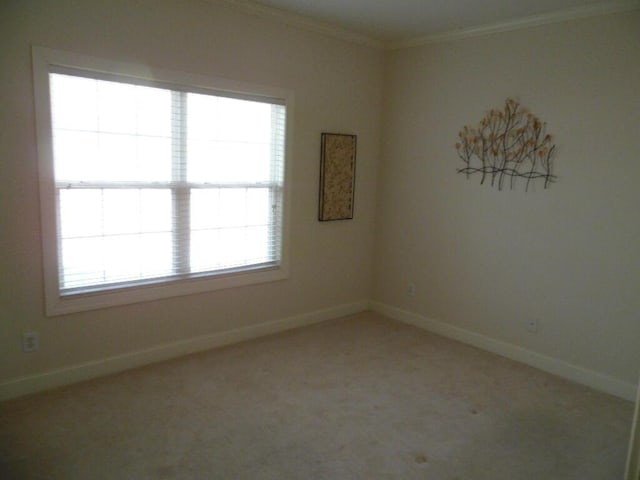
362	397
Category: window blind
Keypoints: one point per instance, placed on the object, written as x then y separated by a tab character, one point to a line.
155	183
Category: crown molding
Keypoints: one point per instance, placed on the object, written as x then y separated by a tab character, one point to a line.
308	23
301	21
519	23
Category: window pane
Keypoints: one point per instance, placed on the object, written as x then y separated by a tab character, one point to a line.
234	211
117	156
228	119
76	156
242	120
258	206
155	210
137	257
230	227
136	211
232	241
112	259
116	107
153	112
153	163
228	162
155	254
82	262
115	235
80	213
205	208
257	245
121	210
121	258
222	207
74	102
90	156
218	249
110	131
228	140
205	251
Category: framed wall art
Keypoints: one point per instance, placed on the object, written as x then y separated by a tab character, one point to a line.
337	176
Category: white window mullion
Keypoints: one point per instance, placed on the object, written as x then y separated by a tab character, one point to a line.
181	192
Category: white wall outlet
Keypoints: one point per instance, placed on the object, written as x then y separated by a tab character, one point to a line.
411	289
532	326
30	342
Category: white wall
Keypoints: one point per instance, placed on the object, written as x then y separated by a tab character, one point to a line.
337	87
482	260
486	260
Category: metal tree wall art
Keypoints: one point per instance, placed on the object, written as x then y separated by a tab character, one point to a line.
509	143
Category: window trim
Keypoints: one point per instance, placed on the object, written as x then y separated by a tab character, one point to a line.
44	61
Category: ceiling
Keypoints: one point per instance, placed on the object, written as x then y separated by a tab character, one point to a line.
404	20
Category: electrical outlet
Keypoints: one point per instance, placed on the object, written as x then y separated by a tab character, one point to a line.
30	342
411	289
532	326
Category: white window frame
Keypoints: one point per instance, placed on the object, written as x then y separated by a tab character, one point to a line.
44	60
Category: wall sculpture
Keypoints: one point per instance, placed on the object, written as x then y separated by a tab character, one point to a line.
507	144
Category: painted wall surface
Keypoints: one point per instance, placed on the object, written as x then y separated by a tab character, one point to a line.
487	260
483	260
337	87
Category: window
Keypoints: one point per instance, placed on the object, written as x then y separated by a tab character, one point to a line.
155	184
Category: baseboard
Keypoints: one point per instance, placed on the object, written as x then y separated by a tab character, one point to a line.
77	373
590	378
56	378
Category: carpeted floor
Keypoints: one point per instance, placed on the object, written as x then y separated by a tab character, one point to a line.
361	397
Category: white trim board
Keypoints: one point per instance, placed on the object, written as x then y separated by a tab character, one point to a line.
76	373
558	16
86	371
590	378
314	25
